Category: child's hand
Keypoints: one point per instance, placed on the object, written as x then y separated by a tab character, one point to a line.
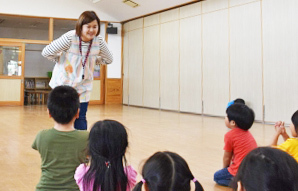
280	127
283	129
278	123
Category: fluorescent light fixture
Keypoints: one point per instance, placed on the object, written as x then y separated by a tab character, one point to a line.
130	3
95	1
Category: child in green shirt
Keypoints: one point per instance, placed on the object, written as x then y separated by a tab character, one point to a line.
61	148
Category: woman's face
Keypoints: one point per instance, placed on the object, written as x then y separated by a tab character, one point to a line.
89	31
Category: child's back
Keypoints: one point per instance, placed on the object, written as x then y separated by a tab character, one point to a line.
107	169
61	148
61	152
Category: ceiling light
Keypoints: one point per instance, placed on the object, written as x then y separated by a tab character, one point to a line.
130	3
95	1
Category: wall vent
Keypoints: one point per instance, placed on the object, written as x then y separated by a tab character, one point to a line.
131	3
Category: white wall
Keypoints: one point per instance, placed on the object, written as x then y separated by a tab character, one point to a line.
115	44
242	49
280	29
54	8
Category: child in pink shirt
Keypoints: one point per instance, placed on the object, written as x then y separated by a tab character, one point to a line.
107	170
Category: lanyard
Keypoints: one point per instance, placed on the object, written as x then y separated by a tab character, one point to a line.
87	54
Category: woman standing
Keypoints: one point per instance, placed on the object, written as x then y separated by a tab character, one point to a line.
76	53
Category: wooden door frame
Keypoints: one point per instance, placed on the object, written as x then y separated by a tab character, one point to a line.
21	58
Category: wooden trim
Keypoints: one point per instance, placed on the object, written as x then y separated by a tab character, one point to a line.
37	77
95	102
2	43
51	29
10	77
41	17
4	103
163	10
122	58
23	73
103	83
24	41
55	18
106	34
104	72
27	16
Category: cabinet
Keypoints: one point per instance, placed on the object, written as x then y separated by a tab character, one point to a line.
36	90
37	83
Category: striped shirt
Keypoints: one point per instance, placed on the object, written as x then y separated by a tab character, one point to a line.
53	50
69	70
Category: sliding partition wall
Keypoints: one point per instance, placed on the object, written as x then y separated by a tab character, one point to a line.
198	57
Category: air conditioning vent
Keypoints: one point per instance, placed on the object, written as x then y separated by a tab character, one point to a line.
131	3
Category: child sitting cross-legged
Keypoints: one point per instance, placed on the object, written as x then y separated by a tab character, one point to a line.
61	148
238	141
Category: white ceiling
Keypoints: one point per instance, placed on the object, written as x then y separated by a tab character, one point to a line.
122	12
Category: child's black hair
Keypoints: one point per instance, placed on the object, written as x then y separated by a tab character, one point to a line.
107	147
239	100
241	114
267	168
167	171
294	120
63	104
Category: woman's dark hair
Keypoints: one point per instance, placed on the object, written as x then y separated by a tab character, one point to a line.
294	120
85	18
167	171
269	169
107	146
63	104
242	115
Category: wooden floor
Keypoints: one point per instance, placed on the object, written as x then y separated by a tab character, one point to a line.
199	139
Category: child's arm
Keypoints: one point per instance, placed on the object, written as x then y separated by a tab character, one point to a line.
284	133
275	139
227	159
280	130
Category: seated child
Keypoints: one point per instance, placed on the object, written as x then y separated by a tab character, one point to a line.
61	148
167	171
268	169
291	144
107	170
238	141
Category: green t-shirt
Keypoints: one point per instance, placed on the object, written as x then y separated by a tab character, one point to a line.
60	152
